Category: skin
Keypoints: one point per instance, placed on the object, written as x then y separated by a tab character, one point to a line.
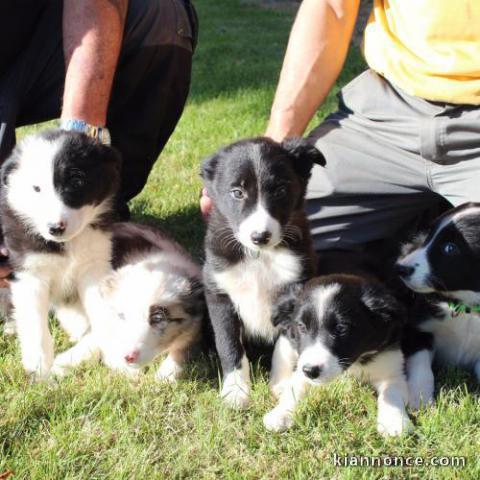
316	52
92	37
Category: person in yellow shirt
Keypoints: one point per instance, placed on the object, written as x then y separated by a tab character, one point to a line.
406	136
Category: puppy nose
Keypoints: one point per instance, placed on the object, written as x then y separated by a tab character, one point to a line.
261	238
312	371
132	357
56	228
404	270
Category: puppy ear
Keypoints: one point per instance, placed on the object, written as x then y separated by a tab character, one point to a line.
284	305
8	167
304	155
384	305
209	168
193	301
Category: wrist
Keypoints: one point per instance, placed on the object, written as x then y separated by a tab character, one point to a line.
98	132
282	125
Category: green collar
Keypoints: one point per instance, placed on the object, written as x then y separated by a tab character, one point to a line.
459	308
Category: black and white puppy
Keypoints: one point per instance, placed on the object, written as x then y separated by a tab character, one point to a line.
56	204
257	241
338	323
157	298
443	267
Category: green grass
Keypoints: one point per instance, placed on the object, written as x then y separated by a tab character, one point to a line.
98	425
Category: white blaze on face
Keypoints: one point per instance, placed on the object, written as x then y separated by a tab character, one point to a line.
32	195
259	221
317	354
419	279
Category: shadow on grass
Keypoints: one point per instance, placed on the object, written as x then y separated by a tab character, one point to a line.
185	226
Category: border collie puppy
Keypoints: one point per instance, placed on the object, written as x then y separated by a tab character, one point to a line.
337	323
157	296
56	203
443	267
257	241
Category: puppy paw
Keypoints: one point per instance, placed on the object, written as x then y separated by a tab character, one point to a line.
9	327
37	366
58	371
419	395
278	388
169	371
394	425
278	420
236	396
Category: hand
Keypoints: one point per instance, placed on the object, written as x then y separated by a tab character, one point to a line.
205	203
5	269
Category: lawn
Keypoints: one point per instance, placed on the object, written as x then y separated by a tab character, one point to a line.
98	425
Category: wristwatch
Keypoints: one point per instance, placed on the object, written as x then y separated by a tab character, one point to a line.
102	134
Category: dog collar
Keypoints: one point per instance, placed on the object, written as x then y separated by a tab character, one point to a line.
459	308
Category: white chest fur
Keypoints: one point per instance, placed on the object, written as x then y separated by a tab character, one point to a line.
252	283
89	250
457	338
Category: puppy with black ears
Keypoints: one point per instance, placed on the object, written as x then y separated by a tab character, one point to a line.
257	242
335	324
442	266
57	195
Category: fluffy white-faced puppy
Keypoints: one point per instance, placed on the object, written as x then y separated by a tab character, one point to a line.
336	324
443	266
56	204
157	295
257	241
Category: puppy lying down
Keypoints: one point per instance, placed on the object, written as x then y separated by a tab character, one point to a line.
156	295
336	324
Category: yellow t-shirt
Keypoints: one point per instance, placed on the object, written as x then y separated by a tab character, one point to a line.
428	48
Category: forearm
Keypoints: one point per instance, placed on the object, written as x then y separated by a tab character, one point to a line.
315	55
92	37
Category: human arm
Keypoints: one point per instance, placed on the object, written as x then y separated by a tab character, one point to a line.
92	37
316	52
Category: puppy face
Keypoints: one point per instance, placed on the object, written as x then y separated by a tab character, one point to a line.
447	259
155	305
335	321
59	182
257	185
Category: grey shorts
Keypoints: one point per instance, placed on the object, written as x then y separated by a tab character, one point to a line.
390	156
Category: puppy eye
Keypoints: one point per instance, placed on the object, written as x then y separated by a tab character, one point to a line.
237	194
280	192
76	182
341	329
301	327
36	188
158	315
121	316
450	249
